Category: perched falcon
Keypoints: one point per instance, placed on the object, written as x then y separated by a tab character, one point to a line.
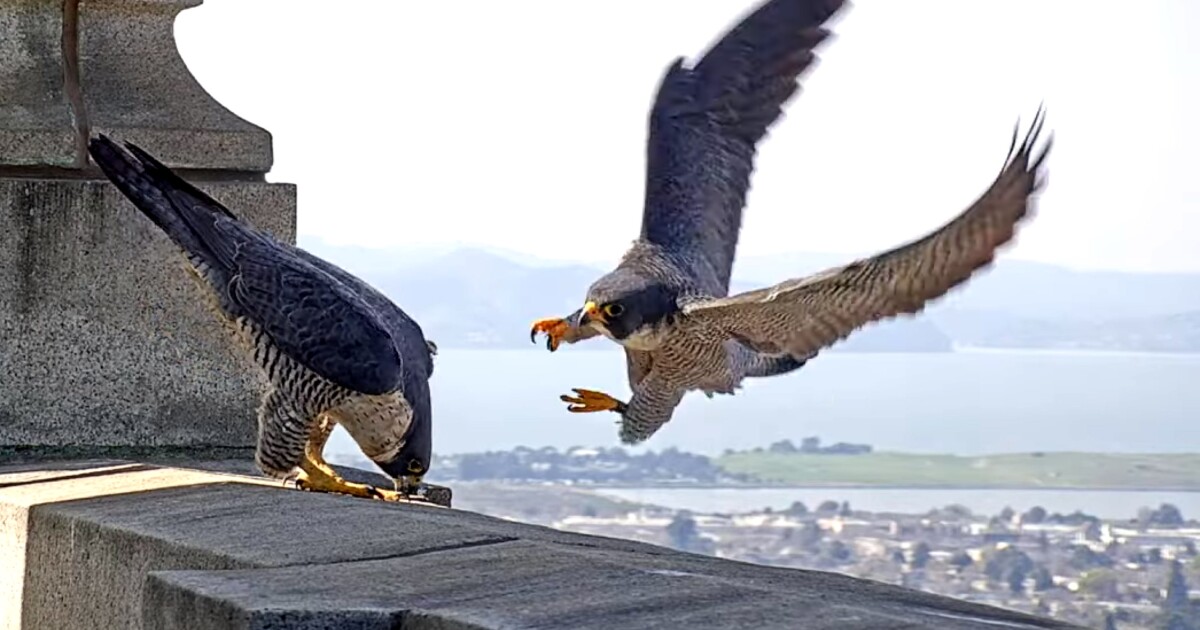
333	349
666	302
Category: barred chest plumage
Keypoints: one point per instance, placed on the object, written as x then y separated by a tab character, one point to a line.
693	359
376	423
308	391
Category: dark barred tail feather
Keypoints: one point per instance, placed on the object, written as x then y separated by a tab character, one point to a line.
774	365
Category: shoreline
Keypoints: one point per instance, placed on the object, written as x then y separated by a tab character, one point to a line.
954	349
827	486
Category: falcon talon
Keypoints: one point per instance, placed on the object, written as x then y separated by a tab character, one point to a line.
555	329
589	401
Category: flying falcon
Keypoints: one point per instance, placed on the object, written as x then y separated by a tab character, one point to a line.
333	349
667	301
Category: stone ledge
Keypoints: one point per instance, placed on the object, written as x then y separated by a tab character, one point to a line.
121	544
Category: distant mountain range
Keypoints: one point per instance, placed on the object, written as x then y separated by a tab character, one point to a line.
486	298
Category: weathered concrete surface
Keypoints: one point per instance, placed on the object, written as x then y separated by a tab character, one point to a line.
106	347
74	67
36	126
165	548
136	87
23	489
105	340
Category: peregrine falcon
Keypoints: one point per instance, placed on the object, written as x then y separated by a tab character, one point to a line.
667	300
333	349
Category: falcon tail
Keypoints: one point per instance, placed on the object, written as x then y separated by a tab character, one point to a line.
774	365
180	210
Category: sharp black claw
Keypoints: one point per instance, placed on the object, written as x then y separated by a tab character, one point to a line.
374	492
533	335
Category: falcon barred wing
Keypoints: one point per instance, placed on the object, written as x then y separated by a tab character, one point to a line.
405	332
803	316
310	315
315	319
704	126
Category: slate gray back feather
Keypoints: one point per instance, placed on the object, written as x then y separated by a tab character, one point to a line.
704	126
317	320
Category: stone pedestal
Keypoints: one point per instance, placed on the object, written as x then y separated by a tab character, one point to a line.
106	348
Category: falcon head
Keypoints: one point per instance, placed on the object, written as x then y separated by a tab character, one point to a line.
628	307
410	464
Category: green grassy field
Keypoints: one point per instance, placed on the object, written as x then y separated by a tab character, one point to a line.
1032	470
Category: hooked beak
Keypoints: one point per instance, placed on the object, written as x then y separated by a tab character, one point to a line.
408	484
591	313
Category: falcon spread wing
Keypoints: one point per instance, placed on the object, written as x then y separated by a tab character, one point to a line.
311	316
704	126
802	316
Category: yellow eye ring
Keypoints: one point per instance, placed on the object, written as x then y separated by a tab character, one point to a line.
613	310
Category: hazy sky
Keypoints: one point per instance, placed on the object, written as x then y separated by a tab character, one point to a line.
522	123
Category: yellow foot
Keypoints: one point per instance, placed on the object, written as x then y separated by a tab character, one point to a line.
555	329
316	481
587	401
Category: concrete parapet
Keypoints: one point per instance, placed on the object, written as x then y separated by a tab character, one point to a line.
123	545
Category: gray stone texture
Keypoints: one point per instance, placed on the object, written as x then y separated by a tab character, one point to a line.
36	125
136	87
106	346
164	549
77	67
105	340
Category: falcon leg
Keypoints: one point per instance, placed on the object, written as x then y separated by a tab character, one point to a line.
281	437
317	476
588	401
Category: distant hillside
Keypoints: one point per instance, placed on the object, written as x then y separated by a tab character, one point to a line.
1175	471
486	299
477	299
1162	333
1027	289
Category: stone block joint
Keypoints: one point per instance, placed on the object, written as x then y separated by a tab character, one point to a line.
71	85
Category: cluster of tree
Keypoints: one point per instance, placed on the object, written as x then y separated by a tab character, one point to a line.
1037	514
685	535
824	508
1012	567
1165	515
812	446
602	465
1177	611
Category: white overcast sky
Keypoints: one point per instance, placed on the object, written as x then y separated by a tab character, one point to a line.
521	123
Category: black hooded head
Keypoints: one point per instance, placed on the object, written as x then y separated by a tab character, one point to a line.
625	303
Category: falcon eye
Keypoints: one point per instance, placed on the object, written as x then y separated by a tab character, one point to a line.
613	310
415	467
